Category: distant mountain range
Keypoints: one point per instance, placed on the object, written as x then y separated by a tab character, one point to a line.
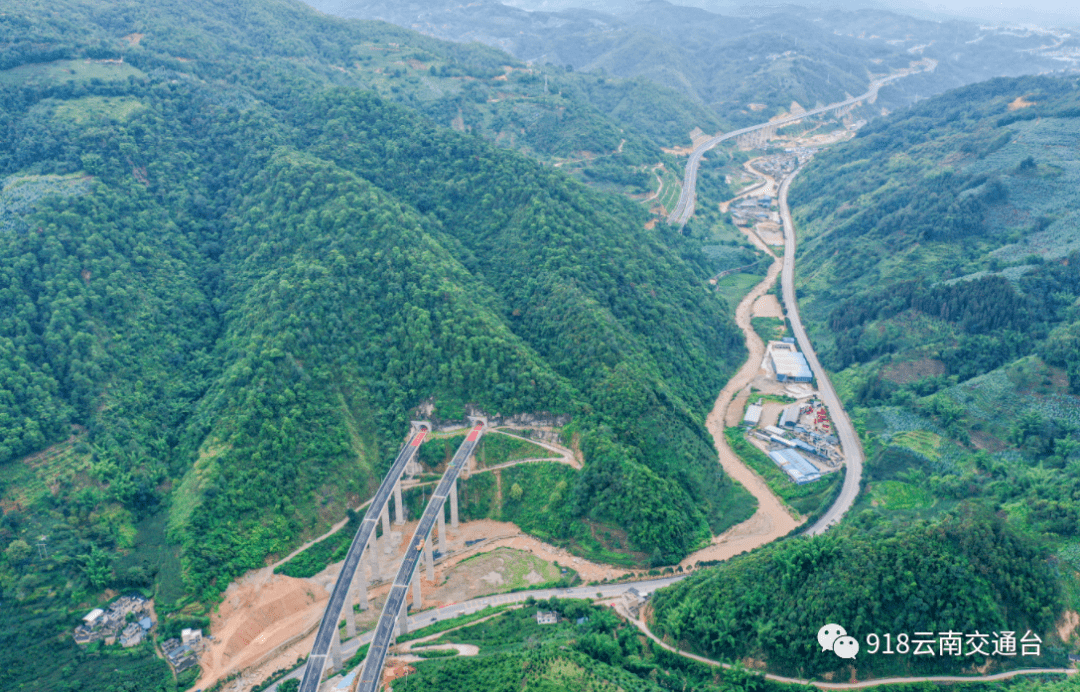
772	56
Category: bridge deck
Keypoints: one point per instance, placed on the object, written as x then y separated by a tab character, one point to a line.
332	616
384	631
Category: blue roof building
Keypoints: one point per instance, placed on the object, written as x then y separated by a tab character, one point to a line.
795	465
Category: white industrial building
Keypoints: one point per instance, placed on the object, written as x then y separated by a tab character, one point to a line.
788	364
753	414
790	417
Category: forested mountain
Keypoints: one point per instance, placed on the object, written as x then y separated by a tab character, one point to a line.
229	275
964	572
740	65
938	272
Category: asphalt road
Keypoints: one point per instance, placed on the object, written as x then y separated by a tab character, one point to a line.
430	617
684	209
317	660
399	591
849	441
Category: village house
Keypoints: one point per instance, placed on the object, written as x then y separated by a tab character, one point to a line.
105	625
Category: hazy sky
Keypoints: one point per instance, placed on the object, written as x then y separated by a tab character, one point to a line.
1058	13
1011	11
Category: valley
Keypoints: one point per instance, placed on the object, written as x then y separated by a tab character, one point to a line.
818	367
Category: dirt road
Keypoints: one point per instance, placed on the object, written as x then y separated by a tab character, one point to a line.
854	685
771	520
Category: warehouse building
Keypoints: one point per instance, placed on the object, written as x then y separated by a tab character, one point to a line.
795	465
790	417
789	364
781	440
753	415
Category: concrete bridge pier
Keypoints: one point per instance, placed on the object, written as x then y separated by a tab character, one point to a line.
385	516
350	613
373	550
429	559
416	599
442	530
402	621
357	593
453	505
335	651
360	584
399	511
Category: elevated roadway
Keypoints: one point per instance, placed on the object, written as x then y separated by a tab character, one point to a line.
325	637
684	208
849	441
371	675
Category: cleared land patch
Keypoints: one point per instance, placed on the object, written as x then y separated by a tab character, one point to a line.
69	71
899	495
91	108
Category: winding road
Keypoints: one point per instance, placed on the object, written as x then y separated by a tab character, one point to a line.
849	441
608	591
848	685
684	209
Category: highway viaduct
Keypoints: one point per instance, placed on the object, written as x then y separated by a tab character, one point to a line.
394	609
352	579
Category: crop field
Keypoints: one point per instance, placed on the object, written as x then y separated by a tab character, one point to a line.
889	421
734	287
899	495
725	256
995	397
69	71
19	194
38	476
669	196
81	111
921	442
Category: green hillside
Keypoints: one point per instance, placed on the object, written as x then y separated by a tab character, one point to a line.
965	572
736	68
230	274
938	274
